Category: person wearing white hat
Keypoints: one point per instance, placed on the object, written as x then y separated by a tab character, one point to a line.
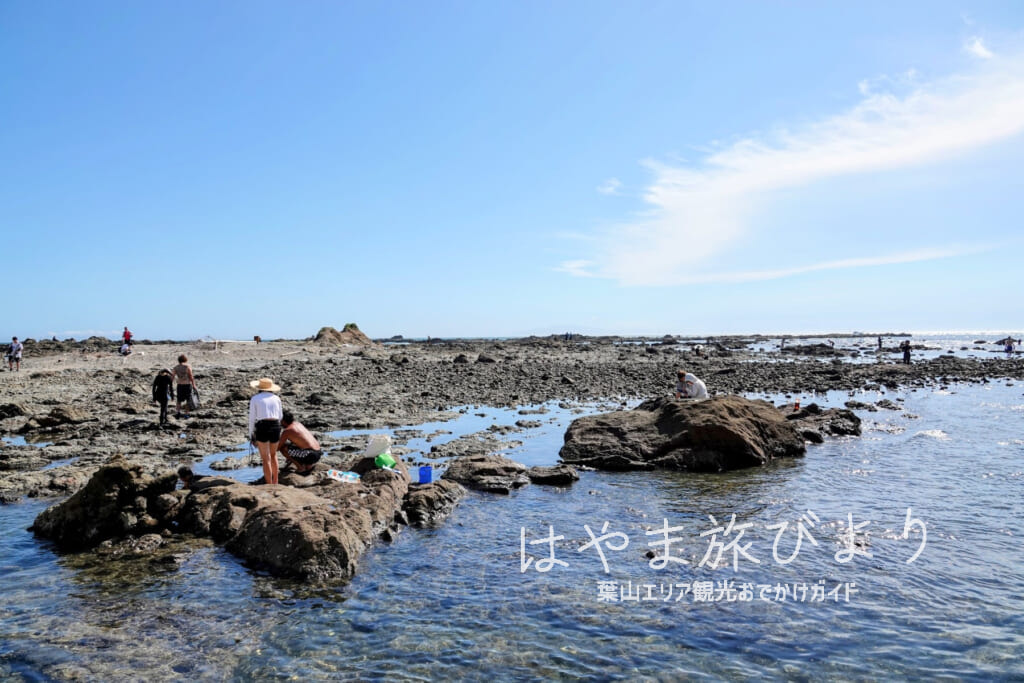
265	424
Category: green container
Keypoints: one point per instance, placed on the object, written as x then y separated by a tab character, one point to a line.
384	461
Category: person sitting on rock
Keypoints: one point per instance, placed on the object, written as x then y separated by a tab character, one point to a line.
298	445
688	386
126	349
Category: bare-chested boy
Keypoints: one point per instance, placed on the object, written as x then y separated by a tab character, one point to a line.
297	444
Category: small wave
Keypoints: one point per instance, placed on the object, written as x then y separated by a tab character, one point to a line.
934	434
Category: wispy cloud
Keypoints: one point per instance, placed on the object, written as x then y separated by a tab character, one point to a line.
977	48
702	210
610	186
579	268
929	254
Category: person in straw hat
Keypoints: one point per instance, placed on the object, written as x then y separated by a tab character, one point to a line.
265	424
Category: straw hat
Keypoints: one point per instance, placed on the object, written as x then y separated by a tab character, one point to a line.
264	384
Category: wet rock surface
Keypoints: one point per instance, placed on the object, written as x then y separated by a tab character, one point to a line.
116	502
559	475
491	473
712	435
428	505
815	424
87	403
316	534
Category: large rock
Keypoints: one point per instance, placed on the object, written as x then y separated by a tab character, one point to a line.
712	435
493	473
119	500
315	534
815	423
318	534
559	475
430	504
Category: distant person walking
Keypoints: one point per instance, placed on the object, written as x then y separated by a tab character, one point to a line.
162	387
879	342
265	425
127	336
14	354
185	380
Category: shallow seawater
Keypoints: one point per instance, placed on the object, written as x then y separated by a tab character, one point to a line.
466	600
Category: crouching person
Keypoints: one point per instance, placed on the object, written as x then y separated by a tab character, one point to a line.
689	386
298	445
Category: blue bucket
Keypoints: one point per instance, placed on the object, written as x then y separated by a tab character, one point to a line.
426	472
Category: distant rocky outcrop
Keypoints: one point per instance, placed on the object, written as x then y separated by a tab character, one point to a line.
813	350
350	334
713	435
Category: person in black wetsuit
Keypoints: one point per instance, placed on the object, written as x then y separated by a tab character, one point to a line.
162	391
906	351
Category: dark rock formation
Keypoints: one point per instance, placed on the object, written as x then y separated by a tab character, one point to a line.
812	350
559	475
428	505
12	410
713	435
815	423
493	473
315	534
116	502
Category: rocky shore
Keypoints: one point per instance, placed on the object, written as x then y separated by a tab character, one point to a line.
77	404
79	424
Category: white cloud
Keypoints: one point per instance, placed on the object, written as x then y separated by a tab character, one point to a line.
579	268
928	254
610	186
978	49
702	210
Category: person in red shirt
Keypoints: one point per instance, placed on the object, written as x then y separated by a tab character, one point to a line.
127	336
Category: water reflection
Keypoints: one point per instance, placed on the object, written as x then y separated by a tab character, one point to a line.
453	602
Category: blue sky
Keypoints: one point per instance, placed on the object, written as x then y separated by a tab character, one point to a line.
467	168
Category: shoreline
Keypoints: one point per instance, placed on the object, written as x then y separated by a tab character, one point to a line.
91	404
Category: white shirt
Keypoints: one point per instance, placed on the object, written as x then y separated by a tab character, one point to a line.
691	387
263	406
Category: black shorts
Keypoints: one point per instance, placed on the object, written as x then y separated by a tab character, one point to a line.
184	391
267	431
304	456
